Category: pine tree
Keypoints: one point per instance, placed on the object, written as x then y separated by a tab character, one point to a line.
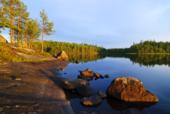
32	31
46	27
21	21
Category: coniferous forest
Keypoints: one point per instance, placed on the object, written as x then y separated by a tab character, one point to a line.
146	47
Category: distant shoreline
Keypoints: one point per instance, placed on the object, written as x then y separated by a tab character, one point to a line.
144	53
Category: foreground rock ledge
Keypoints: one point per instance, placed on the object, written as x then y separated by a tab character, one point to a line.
130	89
30	88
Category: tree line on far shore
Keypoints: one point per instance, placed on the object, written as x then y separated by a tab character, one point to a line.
144	47
85	52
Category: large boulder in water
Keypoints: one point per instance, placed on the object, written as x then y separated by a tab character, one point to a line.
130	89
62	56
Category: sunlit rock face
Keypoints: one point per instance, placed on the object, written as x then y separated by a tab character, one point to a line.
62	56
130	89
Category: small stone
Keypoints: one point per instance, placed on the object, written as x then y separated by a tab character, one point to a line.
17	106
88	73
102	77
97	75
18	79
106	76
91	101
102	94
87	102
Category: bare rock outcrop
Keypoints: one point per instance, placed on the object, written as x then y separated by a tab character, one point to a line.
62	56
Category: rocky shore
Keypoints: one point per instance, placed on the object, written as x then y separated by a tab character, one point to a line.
30	88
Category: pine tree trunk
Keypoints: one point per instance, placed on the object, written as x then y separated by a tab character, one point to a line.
42	43
11	23
26	43
18	35
11	36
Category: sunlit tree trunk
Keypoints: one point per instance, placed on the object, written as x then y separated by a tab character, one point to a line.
42	42
46	27
11	22
42	33
19	34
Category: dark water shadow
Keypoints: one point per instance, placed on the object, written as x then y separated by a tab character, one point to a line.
120	105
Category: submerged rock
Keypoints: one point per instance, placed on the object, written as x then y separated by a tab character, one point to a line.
102	94
91	101
94	99
130	89
73	84
62	56
106	76
97	75
88	73
86	91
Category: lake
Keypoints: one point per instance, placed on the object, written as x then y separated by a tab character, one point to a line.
155	75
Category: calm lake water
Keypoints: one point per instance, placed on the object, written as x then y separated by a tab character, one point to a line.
156	78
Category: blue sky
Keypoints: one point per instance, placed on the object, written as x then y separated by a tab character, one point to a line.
107	23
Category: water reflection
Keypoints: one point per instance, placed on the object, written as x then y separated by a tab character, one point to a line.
147	59
142	59
154	69
84	58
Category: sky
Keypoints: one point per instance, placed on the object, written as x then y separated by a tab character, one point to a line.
106	23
